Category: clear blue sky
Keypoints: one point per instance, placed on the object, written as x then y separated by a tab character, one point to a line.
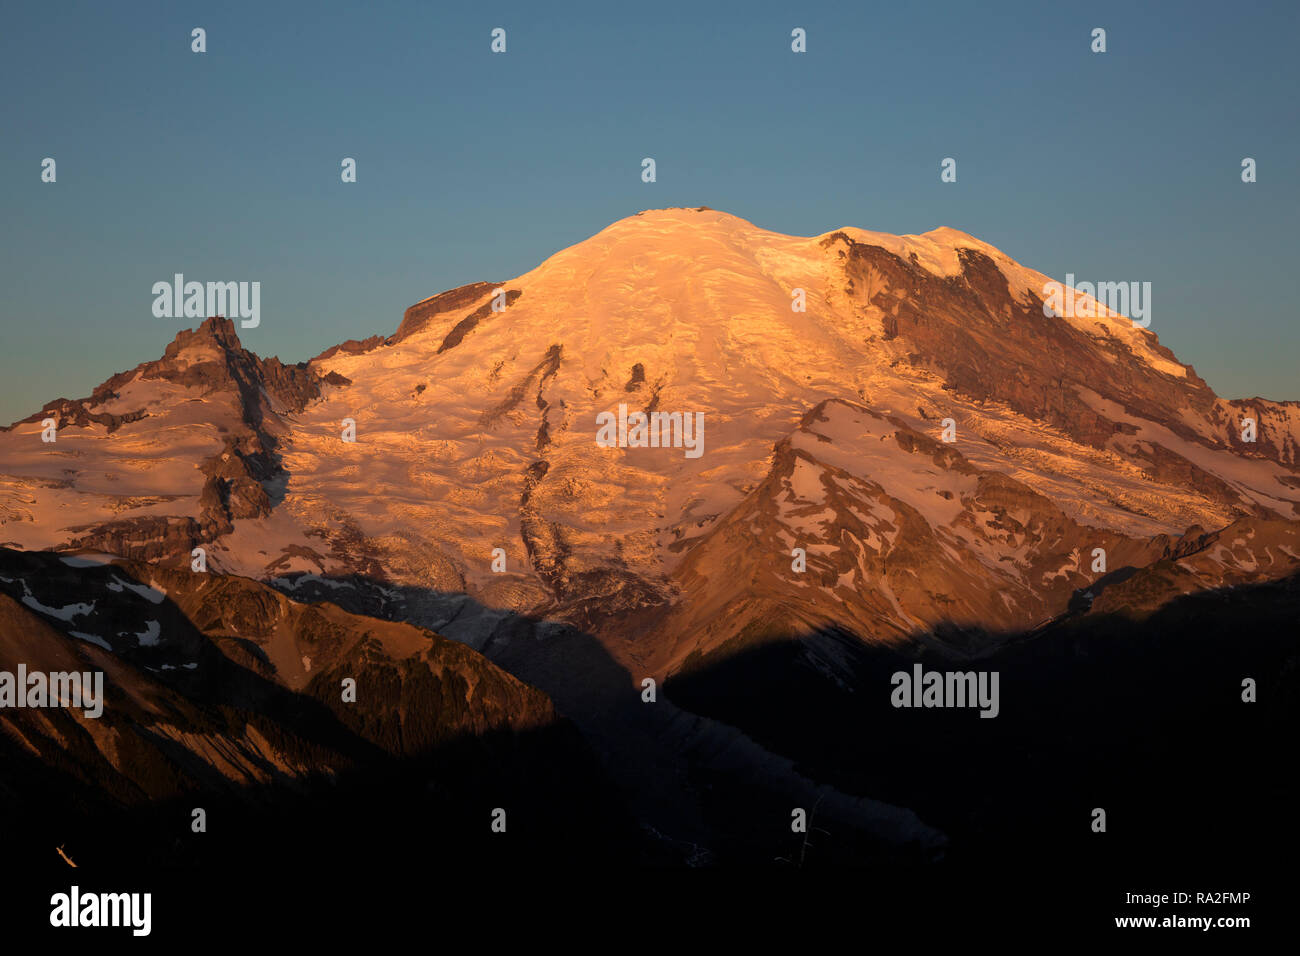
474	166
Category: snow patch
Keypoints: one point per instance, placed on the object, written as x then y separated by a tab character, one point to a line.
65	613
149	636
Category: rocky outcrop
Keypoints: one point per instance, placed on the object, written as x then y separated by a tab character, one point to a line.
249	397
186	642
993	346
421	315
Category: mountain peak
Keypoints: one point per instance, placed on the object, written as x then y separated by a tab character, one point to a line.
690	217
695	216
955	235
680	229
216	330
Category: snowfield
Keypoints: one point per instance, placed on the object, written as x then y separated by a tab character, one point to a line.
478	430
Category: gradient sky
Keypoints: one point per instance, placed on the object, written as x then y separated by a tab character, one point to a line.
474	166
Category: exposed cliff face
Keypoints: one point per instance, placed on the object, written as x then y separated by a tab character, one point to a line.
211	359
868	526
214	680
421	315
1250	551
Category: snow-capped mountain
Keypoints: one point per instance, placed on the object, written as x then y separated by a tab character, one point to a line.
476	426
893	447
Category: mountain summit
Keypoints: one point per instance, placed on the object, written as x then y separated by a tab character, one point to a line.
751	470
826	373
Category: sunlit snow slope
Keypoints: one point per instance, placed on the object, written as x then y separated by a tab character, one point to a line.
476	428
